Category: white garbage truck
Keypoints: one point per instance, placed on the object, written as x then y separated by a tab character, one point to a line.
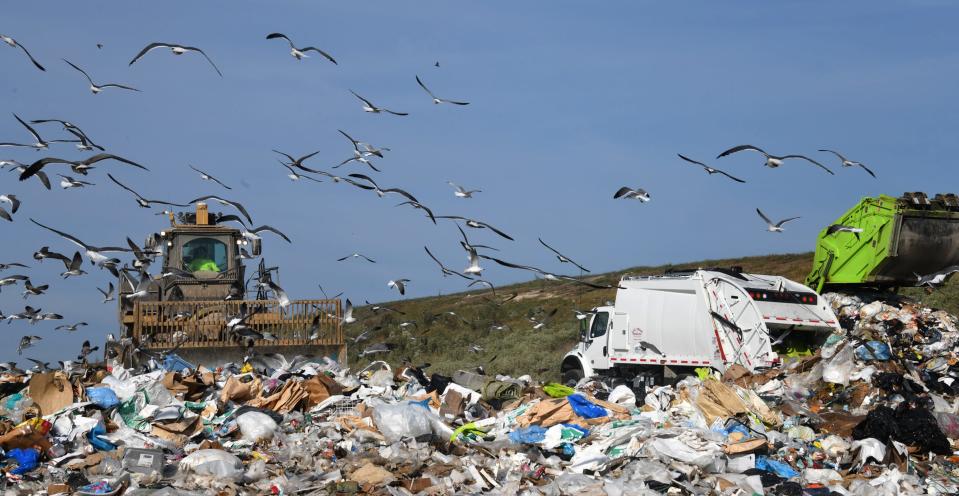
661	328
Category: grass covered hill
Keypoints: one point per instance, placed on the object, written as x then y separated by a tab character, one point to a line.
442	329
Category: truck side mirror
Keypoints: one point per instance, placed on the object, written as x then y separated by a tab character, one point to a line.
257	248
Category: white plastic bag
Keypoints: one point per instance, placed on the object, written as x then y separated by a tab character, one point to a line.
402	420
213	462
623	396
256	426
840	367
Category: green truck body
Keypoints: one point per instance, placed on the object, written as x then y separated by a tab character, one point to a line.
900	239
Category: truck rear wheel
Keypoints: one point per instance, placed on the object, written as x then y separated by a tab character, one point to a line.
572	377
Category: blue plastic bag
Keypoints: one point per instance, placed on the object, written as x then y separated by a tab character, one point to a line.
873	350
779	468
173	363
584	408
528	435
103	397
98	443
27	460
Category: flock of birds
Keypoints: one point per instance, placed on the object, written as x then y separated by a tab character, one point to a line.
297	168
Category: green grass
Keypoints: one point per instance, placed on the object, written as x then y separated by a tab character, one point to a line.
444	340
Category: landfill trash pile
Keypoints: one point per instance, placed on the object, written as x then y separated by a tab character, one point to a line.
871	411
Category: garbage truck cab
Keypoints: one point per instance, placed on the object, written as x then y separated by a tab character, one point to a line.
662	328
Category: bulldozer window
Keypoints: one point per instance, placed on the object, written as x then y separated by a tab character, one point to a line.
600	323
205	255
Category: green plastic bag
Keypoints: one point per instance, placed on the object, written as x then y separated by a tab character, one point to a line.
558	390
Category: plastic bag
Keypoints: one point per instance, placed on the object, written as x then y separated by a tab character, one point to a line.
781	469
622	395
528	435
103	397
100	444
584	408
402	420
839	368
256	426
27	459
558	390
873	350
214	462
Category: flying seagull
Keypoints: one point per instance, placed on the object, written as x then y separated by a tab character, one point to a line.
772	161
356	255
376	308
31	290
141	201
708	169
39	142
84	143
937	278
15	44
12	200
446	271
833	229
254	233
632	194
85	350
462	192
94	87
300	53
44	253
26	342
436	99
296	176
206	177
20	169
12	279
399	284
777	227
298	162
475	224
369	107
67	182
849	163
225	202
177	50
367	149
95	253
70	327
5	266
380	191
420	206
562	258
73	266
108	294
473	268
81	167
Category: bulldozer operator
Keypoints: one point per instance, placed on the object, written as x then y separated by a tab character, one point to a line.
201	262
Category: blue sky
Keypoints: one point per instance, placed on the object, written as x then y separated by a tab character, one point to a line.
570	101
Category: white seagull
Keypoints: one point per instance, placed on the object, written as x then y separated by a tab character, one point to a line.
770	226
849	163
772	161
15	44
462	192
300	53
632	194
177	50
369	107
399	284
437	100
97	88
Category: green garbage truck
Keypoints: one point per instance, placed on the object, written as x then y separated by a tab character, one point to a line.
886	242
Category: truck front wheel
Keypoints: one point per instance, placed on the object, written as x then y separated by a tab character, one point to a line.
572	377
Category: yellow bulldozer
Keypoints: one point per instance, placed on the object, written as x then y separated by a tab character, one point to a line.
200	307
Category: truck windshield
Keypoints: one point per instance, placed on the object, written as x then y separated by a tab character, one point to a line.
600	322
204	255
